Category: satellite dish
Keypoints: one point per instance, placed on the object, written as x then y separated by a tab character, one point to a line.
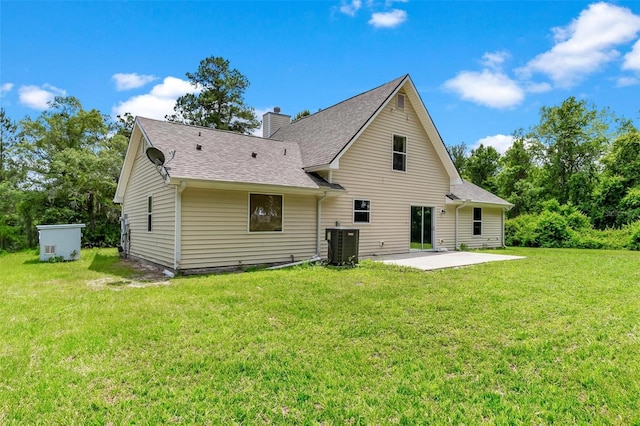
155	156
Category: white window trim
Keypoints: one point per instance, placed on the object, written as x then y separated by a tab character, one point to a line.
474	221
249	231
405	153
353	210
150	214
50	249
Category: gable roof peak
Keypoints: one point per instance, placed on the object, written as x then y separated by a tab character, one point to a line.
324	134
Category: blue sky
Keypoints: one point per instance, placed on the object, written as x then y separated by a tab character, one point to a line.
483	69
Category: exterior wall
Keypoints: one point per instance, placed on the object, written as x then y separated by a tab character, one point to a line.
158	245
215	230
491	228
366	172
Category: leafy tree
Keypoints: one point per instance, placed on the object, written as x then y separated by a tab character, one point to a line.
458	154
10	176
516	166
8	130
574	136
219	102
74	159
482	166
623	159
301	114
615	193
606	197
124	124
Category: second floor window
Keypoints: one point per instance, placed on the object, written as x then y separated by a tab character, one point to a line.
399	153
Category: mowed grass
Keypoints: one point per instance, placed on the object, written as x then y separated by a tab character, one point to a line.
553	338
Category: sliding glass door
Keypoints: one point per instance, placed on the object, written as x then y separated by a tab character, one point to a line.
421	228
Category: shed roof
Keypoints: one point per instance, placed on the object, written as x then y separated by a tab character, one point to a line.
61	226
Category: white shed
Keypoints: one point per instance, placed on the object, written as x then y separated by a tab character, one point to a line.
61	241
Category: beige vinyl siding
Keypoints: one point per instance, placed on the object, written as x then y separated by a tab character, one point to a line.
366	172
491	228
158	245
215	230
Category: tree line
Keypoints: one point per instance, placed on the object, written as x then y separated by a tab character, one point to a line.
577	159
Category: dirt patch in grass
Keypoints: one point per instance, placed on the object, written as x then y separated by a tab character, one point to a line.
144	275
116	283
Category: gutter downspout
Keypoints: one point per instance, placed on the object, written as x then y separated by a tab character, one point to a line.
177	251
503	243
457	247
319	223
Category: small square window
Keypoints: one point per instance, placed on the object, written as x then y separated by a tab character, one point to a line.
265	213
361	211
50	249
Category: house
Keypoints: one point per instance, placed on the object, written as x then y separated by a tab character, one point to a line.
195	199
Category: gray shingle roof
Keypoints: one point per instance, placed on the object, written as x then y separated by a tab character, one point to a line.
323	135
469	191
228	157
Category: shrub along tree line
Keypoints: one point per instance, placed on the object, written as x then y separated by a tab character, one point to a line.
574	179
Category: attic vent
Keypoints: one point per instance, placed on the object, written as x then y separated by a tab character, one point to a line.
400	101
198	147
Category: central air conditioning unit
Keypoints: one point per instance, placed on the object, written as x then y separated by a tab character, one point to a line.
342	245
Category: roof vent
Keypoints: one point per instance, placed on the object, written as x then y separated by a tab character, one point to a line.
198	147
254	154
276	110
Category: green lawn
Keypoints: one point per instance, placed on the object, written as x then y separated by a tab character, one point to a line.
554	338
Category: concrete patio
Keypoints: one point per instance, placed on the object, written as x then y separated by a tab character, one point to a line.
428	261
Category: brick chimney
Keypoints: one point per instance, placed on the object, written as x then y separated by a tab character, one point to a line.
272	121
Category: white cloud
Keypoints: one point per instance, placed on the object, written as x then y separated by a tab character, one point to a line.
132	80
586	44
627	81
39	97
500	142
5	88
158	102
632	59
388	19
490	88
494	60
531	87
350	8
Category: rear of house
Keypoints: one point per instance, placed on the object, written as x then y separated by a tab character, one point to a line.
374	162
